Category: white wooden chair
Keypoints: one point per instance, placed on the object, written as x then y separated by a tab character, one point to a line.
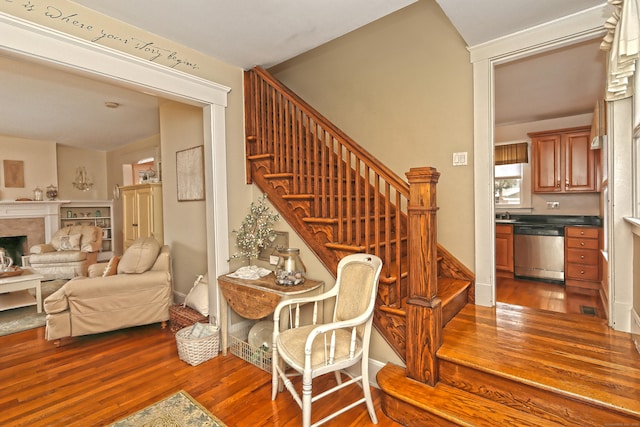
316	349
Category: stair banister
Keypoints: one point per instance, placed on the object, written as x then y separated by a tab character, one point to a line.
386	173
424	308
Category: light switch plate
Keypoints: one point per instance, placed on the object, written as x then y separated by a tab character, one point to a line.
460	159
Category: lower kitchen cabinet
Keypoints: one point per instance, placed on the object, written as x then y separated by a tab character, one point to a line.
504	250
582	260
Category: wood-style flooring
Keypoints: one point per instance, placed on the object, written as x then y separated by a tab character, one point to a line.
99	379
547	296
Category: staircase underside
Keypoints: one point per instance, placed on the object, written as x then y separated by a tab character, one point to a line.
517	366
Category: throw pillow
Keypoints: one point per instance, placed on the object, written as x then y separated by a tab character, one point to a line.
198	296
112	266
70	242
140	256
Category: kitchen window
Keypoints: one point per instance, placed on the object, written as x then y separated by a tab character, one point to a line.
512	186
508	184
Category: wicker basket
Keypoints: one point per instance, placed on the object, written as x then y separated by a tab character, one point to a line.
239	346
194	350
182	316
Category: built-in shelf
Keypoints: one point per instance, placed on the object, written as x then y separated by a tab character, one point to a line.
91	212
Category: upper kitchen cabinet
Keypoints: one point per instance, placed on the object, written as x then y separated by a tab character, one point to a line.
563	161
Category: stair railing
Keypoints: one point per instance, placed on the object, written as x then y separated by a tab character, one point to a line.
368	200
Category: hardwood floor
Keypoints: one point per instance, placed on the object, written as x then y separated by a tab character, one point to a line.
99	379
546	296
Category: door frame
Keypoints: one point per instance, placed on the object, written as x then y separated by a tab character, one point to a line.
562	32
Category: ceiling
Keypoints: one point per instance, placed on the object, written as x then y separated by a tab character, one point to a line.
41	103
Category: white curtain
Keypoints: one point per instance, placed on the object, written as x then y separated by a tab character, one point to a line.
623	43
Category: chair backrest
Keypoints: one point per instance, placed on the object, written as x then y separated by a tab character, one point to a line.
357	282
87	237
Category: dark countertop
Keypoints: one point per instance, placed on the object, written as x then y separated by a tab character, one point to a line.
594	221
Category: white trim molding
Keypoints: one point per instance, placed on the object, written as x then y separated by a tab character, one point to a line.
29	41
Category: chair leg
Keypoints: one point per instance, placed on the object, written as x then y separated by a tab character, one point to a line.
306	400
366	388
338	377
275	378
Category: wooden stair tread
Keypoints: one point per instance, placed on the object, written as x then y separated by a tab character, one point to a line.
450	403
583	360
449	288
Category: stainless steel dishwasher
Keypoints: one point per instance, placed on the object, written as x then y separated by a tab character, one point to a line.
539	251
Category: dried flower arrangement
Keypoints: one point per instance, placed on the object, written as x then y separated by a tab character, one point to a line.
256	230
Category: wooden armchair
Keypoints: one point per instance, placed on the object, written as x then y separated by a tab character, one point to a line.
318	349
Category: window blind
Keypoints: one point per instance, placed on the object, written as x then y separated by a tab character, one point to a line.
508	154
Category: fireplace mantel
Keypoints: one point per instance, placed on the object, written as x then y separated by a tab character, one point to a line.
49	210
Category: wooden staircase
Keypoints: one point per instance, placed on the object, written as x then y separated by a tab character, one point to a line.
465	365
341	200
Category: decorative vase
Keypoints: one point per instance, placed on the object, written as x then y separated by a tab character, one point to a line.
37	194
290	270
52	192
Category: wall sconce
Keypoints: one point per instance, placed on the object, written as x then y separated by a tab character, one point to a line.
82	181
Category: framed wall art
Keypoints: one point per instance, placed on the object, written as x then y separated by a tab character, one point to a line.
190	173
13	173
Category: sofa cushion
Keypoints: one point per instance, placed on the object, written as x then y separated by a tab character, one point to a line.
112	266
57	257
140	256
70	242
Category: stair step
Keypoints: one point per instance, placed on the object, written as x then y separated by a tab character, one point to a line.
571	369
454	296
412	403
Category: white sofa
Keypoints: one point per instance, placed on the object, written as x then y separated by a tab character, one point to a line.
139	293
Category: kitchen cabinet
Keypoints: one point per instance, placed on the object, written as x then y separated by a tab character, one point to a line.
563	162
582	259
91	212
504	250
142	213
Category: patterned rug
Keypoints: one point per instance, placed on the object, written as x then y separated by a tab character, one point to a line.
179	410
21	319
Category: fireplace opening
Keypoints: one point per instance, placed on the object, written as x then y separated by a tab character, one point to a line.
14	247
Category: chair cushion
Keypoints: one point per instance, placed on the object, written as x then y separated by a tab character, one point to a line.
112	266
291	346
57	257
70	242
140	256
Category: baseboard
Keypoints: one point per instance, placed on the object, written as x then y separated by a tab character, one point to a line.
374	367
635	329
484	294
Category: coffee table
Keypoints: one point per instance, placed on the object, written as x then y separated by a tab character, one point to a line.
14	291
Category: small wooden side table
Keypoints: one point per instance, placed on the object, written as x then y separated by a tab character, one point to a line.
257	299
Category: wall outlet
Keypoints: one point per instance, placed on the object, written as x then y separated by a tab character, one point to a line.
553	205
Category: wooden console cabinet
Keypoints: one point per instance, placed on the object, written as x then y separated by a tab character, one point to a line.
142	213
504	250
563	162
582	258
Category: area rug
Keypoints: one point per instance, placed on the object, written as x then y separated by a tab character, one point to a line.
179	410
21	319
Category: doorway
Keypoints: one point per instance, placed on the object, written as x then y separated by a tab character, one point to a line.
554	89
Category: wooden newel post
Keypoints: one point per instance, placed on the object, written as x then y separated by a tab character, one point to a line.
424	308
